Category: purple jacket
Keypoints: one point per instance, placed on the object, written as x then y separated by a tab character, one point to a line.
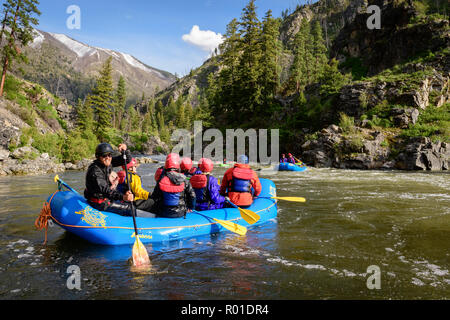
291	160
217	201
283	160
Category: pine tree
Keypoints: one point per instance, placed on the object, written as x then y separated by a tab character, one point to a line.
332	80
270	72
102	99
249	67
319	50
120	99
188	115
180	118
171	110
223	96
85	115
299	74
18	31
164	133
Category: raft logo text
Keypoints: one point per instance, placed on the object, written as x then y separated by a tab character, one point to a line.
255	150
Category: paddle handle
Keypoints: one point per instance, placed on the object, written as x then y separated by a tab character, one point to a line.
133	209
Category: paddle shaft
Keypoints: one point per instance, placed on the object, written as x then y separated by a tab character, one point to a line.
133	209
66	185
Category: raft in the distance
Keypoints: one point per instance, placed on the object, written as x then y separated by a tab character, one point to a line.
286	166
71	211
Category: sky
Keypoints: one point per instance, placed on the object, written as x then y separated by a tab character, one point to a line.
171	35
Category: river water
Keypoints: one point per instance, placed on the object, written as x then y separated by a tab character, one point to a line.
398	222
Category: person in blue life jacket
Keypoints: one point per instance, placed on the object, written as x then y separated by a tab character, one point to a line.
283	158
291	158
206	187
173	194
240	183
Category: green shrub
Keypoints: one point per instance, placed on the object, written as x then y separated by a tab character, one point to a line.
347	123
433	122
78	146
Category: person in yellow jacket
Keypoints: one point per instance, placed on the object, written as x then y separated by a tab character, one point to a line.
141	196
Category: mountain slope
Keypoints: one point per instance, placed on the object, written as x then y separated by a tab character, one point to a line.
67	67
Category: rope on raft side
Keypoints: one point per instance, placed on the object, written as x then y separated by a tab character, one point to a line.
45	215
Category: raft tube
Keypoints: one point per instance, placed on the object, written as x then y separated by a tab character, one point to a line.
285	166
70	211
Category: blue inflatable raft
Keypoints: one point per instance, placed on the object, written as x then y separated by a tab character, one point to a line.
285	166
70	211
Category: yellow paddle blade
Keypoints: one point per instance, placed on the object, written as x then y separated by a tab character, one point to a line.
56	178
140	255
292	199
249	216
233	227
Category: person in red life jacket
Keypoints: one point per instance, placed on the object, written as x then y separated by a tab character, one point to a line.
141	196
186	167
173	194
291	158
238	183
283	158
99	192
206	187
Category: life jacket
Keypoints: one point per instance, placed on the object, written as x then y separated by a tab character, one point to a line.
171	192
159	173
200	183
241	181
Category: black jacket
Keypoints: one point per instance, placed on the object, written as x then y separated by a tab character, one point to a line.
97	179
187	199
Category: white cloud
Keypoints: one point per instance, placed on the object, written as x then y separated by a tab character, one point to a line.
205	40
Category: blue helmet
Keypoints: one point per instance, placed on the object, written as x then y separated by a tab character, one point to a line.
243	159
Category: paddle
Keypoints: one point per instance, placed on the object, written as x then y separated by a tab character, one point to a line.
248	215
299	162
139	253
233	227
291	199
59	181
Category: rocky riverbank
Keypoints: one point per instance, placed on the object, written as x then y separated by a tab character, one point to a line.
28	161
374	149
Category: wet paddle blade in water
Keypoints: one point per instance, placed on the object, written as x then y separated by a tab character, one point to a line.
249	216
140	255
233	227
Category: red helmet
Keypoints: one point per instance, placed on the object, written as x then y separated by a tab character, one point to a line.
133	163
206	165
172	161
186	164
290	155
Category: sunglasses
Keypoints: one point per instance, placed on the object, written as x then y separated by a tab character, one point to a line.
107	155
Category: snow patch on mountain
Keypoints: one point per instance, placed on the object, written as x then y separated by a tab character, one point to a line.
38	39
135	63
79	48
